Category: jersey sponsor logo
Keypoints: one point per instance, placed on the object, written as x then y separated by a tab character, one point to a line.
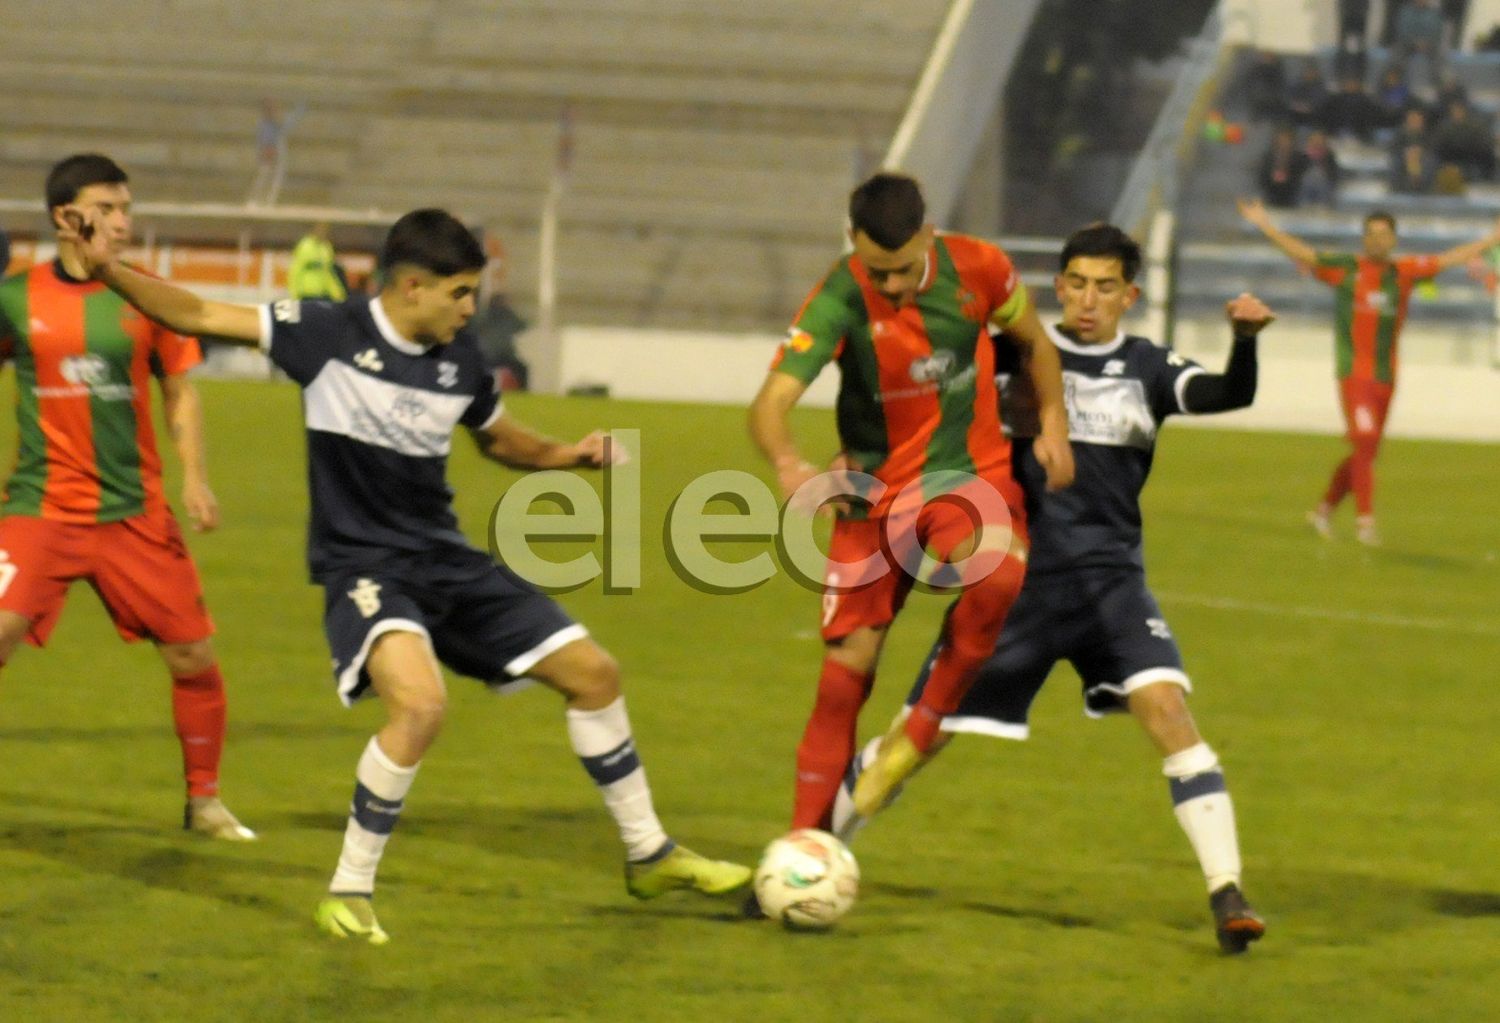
1114	368
932	368
369	359
366	597
288	310
1108	410
798	341
84	369
1377	302
408	406
447	374
412	421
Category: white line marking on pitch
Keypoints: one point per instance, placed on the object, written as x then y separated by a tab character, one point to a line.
1332	614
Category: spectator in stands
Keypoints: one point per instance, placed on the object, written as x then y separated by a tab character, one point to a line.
1466	140
1394	93
1265	86
1352	111
271	150
4	251
1454	14
1282	169
1419	32
1413	166
1320	180
1450	90
1307	94
1354	20
314	272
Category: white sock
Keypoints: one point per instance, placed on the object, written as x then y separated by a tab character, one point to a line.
380	786
1203	808
601	738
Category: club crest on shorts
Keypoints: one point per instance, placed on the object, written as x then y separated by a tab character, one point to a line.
366	597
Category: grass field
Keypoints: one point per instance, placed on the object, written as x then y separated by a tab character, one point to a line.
1350	693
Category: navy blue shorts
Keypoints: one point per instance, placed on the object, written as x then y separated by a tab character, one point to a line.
1105	623
479	617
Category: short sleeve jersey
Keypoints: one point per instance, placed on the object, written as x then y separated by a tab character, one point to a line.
380	412
1117	394
916	393
86	448
1370	300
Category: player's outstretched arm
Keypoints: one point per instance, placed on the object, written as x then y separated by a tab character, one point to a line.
771	430
1235	387
518	446
1043	368
173	307
1461	254
1254	212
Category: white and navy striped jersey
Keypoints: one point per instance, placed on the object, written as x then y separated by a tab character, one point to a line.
380	413
1118	393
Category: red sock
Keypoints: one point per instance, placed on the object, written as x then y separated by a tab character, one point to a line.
198	710
1338	487
970	633
828	743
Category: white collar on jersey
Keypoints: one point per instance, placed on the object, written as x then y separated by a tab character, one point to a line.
1067	344
389	332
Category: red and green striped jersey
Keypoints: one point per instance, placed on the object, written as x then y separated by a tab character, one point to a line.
86	449
1370	299
917	393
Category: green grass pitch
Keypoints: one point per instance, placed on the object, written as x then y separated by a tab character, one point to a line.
1350	694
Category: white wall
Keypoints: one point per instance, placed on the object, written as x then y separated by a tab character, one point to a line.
1300	26
1436	397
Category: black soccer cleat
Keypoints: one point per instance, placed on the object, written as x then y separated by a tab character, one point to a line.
1235	923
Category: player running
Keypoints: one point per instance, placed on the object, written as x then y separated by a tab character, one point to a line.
85	499
385	381
1372	290
905	319
1085	598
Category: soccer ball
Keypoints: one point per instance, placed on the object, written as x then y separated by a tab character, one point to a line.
807	879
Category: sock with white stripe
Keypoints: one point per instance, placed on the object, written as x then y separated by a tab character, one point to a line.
602	740
380	788
1201	802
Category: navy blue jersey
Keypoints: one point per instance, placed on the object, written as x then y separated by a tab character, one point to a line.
1118	393
380	413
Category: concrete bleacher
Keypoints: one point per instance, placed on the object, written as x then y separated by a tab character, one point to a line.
714	142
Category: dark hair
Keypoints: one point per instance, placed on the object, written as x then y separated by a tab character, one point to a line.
1384	215
434	240
888	208
73	175
1101	239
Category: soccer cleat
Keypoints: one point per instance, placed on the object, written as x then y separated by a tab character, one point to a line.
880	782
350	916
683	868
1365	531
1235	923
1318	519
750	908
207	815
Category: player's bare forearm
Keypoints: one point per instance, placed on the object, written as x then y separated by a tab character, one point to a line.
771	431
1461	254
1254	212
1043	368
517	446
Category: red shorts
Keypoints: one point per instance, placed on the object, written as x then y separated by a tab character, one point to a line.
1366	404
873	563
139	566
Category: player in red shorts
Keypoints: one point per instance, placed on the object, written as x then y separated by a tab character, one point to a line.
905	317
1371	291
85	500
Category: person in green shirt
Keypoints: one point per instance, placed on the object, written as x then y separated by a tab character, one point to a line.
314	272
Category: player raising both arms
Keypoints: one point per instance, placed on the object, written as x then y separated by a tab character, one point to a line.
1372	290
905	317
385	381
1085	598
85	498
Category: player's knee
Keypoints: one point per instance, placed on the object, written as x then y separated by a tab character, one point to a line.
1160	705
593	677
187	658
420	713
859	651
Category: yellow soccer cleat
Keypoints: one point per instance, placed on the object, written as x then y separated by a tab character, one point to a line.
350	916
682	869
878	783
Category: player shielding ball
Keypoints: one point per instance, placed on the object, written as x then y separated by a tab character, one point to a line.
385	381
84	501
1085	599
904	318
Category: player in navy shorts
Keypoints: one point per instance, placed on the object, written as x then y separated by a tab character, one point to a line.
1085	598
385	381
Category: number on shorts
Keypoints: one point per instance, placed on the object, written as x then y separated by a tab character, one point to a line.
8	572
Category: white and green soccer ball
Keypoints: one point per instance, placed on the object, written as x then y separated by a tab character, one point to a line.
807	879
